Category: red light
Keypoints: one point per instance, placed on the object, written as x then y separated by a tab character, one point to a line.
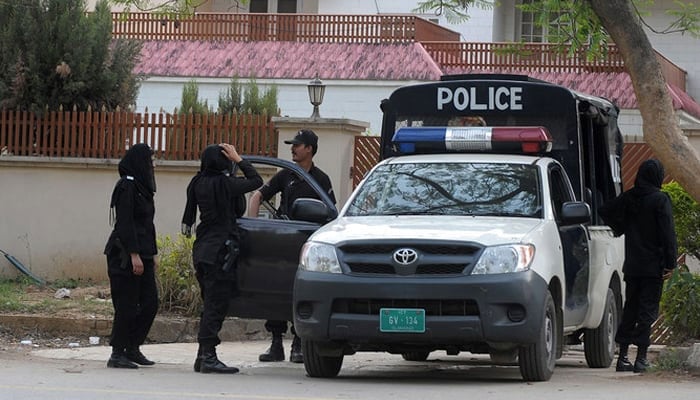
529	139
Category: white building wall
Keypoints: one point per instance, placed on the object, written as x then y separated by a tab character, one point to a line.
682	49
476	29
357	100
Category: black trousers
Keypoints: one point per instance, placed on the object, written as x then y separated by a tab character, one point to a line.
216	288
278	328
135	301
642	296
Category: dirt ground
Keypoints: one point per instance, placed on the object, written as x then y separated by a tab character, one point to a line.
79	302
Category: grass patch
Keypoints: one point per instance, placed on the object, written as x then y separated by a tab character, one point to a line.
23	297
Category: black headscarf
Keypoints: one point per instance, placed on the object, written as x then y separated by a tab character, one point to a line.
650	176
214	165
136	165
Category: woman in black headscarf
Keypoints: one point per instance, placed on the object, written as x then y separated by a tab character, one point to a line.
131	262
216	192
644	215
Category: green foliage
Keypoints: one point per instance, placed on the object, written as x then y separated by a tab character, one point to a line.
686	216
177	285
11	291
680	304
248	99
190	99
671	359
578	28
455	11
53	55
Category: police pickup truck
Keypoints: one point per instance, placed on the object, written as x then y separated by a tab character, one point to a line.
478	232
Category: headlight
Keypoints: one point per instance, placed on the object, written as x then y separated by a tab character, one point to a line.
319	257
505	259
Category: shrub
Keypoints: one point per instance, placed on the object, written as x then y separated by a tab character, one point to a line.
177	285
680	304
686	217
680	301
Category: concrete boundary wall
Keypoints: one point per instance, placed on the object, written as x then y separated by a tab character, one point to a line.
54	212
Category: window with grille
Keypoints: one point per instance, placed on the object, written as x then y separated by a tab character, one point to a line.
533	31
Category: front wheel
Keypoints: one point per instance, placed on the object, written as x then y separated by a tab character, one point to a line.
599	343
537	360
317	365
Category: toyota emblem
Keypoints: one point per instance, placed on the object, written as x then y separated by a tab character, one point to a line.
405	256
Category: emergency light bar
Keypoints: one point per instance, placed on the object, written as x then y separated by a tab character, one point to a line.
501	139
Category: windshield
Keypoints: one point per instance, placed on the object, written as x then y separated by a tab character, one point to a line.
450	189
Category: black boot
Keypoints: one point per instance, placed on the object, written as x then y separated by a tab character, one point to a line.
623	363
275	352
118	360
135	355
641	364
211	364
296	355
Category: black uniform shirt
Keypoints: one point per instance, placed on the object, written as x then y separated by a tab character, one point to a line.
292	187
133	228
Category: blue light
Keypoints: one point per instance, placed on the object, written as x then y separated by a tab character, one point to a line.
420	139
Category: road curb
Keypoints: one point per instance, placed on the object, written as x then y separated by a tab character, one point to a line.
163	330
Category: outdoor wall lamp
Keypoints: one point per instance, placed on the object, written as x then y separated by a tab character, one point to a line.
316	91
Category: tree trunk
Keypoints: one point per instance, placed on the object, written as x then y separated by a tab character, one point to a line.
661	129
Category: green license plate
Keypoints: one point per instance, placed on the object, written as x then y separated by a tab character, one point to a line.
404	320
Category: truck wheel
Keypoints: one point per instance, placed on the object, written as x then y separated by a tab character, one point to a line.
599	343
538	359
318	366
415	355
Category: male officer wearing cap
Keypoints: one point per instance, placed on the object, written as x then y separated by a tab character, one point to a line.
304	147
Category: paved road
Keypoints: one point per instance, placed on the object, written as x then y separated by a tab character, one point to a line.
80	374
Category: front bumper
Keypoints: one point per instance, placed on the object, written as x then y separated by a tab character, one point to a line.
460	310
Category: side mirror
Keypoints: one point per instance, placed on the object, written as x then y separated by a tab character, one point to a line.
575	212
310	210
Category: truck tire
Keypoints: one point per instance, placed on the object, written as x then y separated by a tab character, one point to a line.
599	343
415	355
537	360
318	366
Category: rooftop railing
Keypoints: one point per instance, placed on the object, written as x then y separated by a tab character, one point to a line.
323	28
441	43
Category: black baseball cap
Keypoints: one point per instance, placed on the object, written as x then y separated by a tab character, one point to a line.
306	137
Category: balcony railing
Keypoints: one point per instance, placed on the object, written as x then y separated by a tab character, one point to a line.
323	28
536	57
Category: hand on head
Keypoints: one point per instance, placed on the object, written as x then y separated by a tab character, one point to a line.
230	152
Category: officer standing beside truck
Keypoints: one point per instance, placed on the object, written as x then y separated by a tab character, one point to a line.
214	190
304	147
644	215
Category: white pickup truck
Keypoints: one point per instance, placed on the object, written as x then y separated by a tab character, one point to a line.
482	239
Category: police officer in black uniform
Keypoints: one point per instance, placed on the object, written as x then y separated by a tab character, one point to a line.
304	147
216	191
131	251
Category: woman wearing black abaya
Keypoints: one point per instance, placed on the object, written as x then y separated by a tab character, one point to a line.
215	191
131	263
645	216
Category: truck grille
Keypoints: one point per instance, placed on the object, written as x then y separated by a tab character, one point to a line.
433	258
457	307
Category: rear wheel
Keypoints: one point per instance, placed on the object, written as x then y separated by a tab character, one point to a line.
317	365
415	355
538	359
599	343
